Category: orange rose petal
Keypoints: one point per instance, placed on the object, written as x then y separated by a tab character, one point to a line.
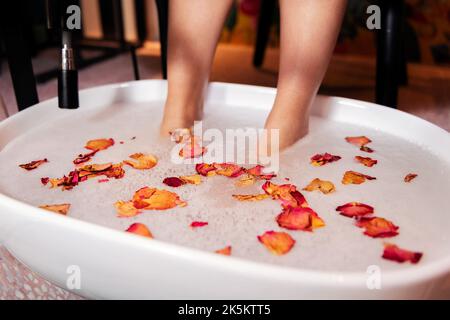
192	149
230	170
126	209
352	177
140	229
198	224
286	193
299	218
205	169
323	186
225	251
358	141
58	208
84	157
322	159
368	162
94	168
245	181
409	177
376	227
277	243
355	209
99	144
366	149
143	161
33	164
192	179
154	199
257	171
394	253
250	197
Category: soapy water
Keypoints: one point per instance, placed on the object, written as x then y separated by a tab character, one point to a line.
420	208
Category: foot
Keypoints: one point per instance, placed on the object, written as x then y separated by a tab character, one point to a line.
292	125
178	116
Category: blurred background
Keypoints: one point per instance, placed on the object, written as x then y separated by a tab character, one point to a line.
113	30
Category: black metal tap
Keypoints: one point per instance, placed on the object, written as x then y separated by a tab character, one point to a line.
68	75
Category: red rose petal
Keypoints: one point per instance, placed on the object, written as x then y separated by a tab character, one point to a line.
257	171
394	253
197	224
33	164
299	218
376	227
84	157
278	243
205	169
355	209
174	182
225	251
45	180
409	177
140	229
322	159
368	162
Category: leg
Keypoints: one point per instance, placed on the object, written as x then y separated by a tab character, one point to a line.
309	29
194	29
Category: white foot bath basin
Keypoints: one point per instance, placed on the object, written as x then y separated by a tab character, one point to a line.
335	261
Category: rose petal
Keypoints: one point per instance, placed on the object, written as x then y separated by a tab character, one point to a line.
250	197
225	251
366	149
257	171
143	161
33	164
174	182
45	180
192	179
394	253
192	149
58	208
323	186
355	209
230	170
277	243
299	218
286	193
197	224
155	199
99	144
126	209
103	180
245	181
358	141
322	159
205	169
409	177
352	177
368	162
140	229
376	227
84	157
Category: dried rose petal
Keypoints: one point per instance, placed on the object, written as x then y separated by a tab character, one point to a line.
99	144
192	149
355	209
116	171
33	164
230	170
322	159
394	253
323	186
126	209
409	177
225	251
368	162
377	227
278	243
358	141
366	149
143	161
250	197
140	229
287	193
299	218
45	180
245	181
102	180
84	157
155	199
174	182
257	171
352	177
205	169
192	179
58	208
197	224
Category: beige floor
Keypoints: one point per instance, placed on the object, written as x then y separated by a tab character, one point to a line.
427	95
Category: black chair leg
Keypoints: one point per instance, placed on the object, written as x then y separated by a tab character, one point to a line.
135	63
388	52
262	36
163	21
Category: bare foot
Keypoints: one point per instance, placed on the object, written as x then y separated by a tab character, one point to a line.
178	116
292	125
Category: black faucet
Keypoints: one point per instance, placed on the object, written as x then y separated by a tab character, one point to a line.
68	75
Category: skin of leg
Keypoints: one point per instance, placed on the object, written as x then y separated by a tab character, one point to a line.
194	30
309	29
